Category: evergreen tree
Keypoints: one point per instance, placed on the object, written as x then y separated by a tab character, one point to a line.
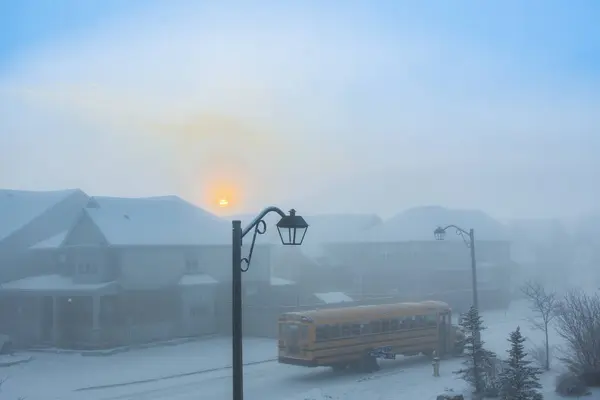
478	361
519	380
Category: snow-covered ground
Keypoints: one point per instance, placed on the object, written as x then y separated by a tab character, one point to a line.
200	370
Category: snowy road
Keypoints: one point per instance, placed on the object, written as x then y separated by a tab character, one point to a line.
263	381
200	371
271	381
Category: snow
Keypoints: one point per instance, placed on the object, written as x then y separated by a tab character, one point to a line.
74	376
165	220
197	279
54	283
19	207
199	370
280	282
333	297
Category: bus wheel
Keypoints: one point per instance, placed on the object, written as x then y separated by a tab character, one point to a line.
459	349
339	367
368	363
372	364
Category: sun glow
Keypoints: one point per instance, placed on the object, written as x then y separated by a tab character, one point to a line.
223	203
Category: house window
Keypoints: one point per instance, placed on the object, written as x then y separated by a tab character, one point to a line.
191	265
87	268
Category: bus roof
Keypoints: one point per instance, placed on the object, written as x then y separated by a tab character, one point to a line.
351	313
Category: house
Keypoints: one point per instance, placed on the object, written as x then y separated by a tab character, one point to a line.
30	217
544	250
399	257
311	266
130	271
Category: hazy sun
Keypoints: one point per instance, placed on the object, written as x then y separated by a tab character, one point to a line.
223	203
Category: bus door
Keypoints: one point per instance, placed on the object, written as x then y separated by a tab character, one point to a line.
294	337
444	326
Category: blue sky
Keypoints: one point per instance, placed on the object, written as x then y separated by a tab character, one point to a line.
33	22
568	28
495	97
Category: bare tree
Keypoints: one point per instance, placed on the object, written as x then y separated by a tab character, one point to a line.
544	303
578	323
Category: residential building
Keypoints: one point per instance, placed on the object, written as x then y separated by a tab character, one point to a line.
29	217
130	271
400	258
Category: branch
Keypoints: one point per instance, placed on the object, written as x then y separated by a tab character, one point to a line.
543	303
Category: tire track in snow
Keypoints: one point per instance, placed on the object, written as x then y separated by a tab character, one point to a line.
166	377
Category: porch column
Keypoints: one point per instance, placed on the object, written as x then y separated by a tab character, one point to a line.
55	321
96	318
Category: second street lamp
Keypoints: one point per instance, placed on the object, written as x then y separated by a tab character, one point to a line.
469	239
292	229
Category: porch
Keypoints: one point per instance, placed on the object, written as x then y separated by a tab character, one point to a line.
53	310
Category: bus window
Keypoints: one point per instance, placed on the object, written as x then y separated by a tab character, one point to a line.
365	329
375	326
415	322
346	330
385	325
322	333
334	331
355	329
394	324
431	320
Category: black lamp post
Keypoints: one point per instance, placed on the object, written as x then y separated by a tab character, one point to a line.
292	229
469	239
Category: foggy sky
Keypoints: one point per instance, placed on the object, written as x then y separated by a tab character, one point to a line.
326	107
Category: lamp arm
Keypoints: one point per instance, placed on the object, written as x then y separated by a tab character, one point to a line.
466	236
457	228
260	227
257	220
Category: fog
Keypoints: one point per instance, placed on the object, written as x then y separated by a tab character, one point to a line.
376	121
326	108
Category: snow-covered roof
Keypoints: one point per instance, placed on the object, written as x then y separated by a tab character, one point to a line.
50	243
197	279
280	282
53	283
19	207
333	297
419	223
165	220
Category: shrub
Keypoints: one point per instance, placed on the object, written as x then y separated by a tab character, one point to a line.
568	384
578	323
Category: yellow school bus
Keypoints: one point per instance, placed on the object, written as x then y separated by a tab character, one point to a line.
355	337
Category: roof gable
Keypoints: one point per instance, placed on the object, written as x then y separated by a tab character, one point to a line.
19	207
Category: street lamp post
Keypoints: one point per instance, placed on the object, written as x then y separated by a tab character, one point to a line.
292	229
469	239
